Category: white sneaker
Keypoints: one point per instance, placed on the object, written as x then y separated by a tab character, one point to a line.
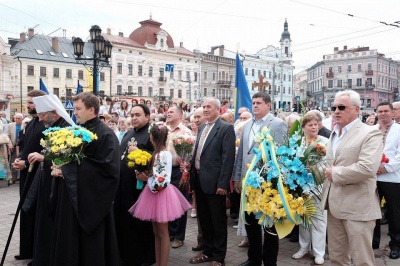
300	254
193	213
319	260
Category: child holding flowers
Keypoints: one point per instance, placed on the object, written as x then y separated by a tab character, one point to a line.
159	202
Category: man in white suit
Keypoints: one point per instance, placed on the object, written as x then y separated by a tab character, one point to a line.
258	253
350	193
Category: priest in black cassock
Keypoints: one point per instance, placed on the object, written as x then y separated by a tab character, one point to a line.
84	229
33	134
51	113
135	237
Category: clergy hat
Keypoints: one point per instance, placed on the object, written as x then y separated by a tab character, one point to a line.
50	102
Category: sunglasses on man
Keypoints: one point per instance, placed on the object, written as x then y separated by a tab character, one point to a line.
340	107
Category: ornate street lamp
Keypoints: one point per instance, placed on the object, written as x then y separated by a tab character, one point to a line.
101	53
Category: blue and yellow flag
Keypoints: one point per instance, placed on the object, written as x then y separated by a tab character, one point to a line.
43	87
242	94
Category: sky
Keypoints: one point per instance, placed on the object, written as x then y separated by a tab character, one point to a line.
315	26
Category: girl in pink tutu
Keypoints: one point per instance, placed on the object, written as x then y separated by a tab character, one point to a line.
159	202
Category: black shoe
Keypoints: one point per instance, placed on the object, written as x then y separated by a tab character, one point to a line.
294	238
394	254
30	263
249	263
19	257
198	248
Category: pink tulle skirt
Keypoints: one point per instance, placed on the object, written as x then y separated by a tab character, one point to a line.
162	207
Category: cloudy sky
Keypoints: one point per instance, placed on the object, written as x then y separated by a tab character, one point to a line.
316	26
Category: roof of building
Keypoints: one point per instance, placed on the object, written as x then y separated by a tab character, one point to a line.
146	33
40	47
285	33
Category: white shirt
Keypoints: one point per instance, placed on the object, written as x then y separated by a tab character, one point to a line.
392	152
256	127
336	139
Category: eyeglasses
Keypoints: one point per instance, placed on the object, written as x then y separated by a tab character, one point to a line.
340	107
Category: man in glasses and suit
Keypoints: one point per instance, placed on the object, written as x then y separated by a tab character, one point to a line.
350	193
258	253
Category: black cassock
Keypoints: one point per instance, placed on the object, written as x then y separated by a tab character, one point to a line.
84	230
33	134
135	237
38	196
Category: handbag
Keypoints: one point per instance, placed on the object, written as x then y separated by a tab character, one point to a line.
4	139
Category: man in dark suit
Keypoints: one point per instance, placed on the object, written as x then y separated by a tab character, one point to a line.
212	167
258	253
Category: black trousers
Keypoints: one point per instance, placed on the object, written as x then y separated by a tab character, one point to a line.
177	228
257	253
391	192
211	210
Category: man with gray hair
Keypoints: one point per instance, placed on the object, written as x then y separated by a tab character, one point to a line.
396	111
349	191
13	130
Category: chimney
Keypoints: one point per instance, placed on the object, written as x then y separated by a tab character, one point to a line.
31	32
345	47
22	37
181	44
121	34
221	50
108	31
336	49
54	43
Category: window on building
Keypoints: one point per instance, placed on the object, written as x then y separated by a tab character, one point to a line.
179	75
369	66
161	90
252	72
205	75
119	68
171	93
289	90
56	72
68	92
195	76
140	70
130	90
80	74
187	75
219	76
214	76
348	68
68	74
171	75
339	83
269	74
180	94
284	77
119	89
339	69
102	76
359	82
130	69
150	71
140	91
349	83
31	70
359	67
205	92
330	83
265	74
161	72
284	90
42	71
56	91
246	71
30	88
369	81
150	92
259	73
290	77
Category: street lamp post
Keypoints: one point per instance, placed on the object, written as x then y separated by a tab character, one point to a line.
101	54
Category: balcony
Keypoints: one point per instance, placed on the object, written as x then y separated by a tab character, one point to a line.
329	75
308	93
224	84
162	80
369	72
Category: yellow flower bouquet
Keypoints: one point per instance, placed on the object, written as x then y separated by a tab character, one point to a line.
64	145
139	160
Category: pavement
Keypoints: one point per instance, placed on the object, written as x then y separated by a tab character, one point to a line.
9	197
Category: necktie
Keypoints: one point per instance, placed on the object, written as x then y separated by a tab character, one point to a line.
201	144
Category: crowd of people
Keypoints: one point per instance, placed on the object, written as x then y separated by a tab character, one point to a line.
96	213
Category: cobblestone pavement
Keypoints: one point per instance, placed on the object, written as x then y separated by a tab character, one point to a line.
180	256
